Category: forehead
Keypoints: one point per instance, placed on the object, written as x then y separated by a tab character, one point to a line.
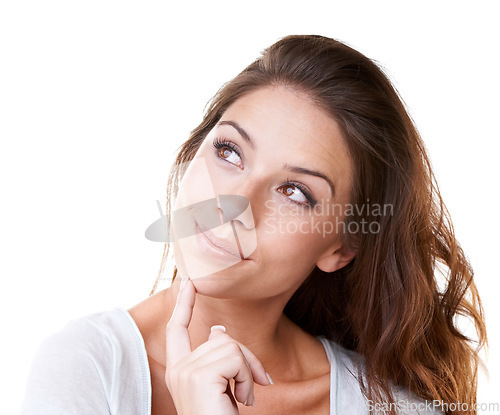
290	128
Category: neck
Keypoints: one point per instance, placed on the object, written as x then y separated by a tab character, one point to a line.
260	325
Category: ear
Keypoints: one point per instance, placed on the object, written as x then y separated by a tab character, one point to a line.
332	261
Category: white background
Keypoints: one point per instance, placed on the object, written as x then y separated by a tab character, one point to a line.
95	96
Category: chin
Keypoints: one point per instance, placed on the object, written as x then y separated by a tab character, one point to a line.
225	284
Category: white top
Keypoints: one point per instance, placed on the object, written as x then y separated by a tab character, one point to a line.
98	365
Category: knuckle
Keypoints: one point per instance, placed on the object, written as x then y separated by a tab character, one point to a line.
240	360
233	348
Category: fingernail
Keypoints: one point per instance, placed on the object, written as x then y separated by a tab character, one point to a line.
269	379
183	282
217	328
253	402
245	403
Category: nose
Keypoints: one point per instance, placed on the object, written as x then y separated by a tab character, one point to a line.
249	187
236	207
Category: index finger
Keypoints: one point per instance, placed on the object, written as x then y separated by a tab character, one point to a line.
178	344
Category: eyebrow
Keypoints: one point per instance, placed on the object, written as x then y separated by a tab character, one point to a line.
240	130
302	170
294	169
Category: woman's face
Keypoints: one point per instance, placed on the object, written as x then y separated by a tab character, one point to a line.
287	159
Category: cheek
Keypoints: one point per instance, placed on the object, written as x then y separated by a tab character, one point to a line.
299	238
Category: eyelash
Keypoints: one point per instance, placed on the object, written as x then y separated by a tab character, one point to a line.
303	189
221	143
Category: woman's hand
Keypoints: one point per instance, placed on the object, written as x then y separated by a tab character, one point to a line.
198	380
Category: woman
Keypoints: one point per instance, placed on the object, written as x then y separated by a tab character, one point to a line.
316	291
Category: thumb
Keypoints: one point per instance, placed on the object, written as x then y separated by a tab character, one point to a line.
216	331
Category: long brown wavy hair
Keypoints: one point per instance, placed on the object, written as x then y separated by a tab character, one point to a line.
388	304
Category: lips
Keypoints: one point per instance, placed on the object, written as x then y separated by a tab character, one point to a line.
215	245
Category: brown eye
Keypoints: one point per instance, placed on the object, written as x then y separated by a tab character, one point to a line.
228	152
288	190
296	194
225	152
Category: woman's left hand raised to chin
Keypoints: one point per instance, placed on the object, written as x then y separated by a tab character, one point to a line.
198	380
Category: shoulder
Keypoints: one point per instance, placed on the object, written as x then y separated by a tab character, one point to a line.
106	325
349	368
93	338
82	367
